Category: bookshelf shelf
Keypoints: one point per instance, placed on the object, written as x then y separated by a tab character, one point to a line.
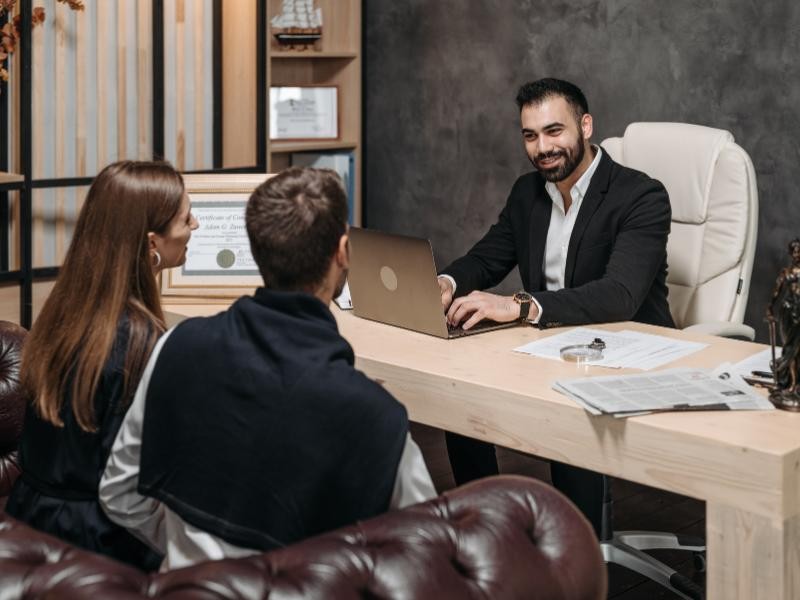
311	54
6	177
320	146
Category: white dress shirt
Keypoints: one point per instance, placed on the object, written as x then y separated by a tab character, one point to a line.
562	224
183	544
559	231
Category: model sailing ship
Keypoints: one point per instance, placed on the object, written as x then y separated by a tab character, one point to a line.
299	25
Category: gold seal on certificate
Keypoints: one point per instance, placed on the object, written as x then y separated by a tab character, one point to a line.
226	258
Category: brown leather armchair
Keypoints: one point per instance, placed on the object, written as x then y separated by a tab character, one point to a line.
12	404
500	538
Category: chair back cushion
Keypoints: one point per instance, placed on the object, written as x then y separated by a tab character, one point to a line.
12	403
712	191
501	538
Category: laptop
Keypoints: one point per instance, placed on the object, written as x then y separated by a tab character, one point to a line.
392	279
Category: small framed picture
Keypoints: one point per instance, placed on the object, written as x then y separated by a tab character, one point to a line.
304	113
218	259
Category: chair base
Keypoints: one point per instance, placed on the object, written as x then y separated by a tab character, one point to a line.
625	548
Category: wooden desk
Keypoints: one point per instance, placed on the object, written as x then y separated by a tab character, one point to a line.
745	465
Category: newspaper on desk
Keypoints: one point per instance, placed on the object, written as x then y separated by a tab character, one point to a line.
674	389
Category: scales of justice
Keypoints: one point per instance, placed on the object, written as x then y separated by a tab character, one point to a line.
783	317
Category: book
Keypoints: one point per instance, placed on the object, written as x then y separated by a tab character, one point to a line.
341	162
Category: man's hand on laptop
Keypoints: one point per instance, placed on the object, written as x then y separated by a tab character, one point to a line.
447	291
476	306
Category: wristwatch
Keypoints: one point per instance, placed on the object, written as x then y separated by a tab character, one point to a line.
524	300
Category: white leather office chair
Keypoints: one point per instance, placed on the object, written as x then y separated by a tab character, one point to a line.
712	190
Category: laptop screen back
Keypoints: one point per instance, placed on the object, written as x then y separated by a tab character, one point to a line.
392	279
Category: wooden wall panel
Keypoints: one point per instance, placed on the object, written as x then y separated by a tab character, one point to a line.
92	104
9	303
41	290
188	94
92	86
144	70
14	231
239	83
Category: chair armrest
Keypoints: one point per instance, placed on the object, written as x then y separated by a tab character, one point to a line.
738	331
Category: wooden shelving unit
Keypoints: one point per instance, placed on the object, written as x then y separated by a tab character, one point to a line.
278	54
10	177
335	60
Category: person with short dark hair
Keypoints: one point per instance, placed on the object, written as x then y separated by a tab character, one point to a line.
258	431
83	358
589	237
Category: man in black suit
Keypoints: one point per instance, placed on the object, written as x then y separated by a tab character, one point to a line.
589	237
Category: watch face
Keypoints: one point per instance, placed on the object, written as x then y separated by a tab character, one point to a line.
521	297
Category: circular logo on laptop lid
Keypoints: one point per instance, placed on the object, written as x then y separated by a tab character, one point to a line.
388	278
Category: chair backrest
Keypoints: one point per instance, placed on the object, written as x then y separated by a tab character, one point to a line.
712	189
12	404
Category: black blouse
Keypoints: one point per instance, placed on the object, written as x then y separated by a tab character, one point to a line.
62	467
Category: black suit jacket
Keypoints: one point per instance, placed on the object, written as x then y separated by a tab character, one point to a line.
616	261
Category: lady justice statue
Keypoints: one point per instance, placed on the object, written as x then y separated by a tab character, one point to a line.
784	311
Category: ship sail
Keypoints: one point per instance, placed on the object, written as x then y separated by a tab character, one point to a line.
299	14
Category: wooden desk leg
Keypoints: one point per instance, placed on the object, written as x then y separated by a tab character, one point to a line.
751	557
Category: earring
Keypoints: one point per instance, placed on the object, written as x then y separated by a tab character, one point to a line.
157	258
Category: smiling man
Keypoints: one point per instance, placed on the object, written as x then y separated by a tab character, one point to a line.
589	237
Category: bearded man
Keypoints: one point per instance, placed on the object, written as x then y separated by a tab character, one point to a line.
589	237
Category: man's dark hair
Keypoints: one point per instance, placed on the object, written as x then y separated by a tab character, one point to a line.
295	221
536	92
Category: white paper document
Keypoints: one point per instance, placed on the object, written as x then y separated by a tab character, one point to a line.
675	389
624	349
343	300
755	364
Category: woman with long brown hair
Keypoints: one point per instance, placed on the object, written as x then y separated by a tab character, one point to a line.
87	349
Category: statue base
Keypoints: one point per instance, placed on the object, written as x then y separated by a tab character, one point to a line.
785	400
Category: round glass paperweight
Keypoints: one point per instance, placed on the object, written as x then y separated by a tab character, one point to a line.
580	353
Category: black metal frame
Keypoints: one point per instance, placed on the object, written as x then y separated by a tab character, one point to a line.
27	275
364	194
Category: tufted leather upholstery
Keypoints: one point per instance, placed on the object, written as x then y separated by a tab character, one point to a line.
712	190
501	538
12	403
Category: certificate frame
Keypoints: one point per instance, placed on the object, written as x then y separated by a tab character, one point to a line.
213	193
316	116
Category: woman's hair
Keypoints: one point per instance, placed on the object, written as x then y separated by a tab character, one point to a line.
107	273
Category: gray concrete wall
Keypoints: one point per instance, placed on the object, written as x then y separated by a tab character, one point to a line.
442	132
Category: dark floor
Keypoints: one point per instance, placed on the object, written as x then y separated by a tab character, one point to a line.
635	507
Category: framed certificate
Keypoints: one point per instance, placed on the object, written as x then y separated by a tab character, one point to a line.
218	260
304	113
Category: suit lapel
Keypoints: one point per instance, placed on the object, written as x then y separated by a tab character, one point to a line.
539	224
591	202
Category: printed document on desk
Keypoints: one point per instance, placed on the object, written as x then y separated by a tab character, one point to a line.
624	349
343	300
755	364
675	389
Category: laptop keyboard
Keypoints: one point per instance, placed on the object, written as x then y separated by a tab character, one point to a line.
458	331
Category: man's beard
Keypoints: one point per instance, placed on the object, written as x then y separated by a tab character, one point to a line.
572	158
